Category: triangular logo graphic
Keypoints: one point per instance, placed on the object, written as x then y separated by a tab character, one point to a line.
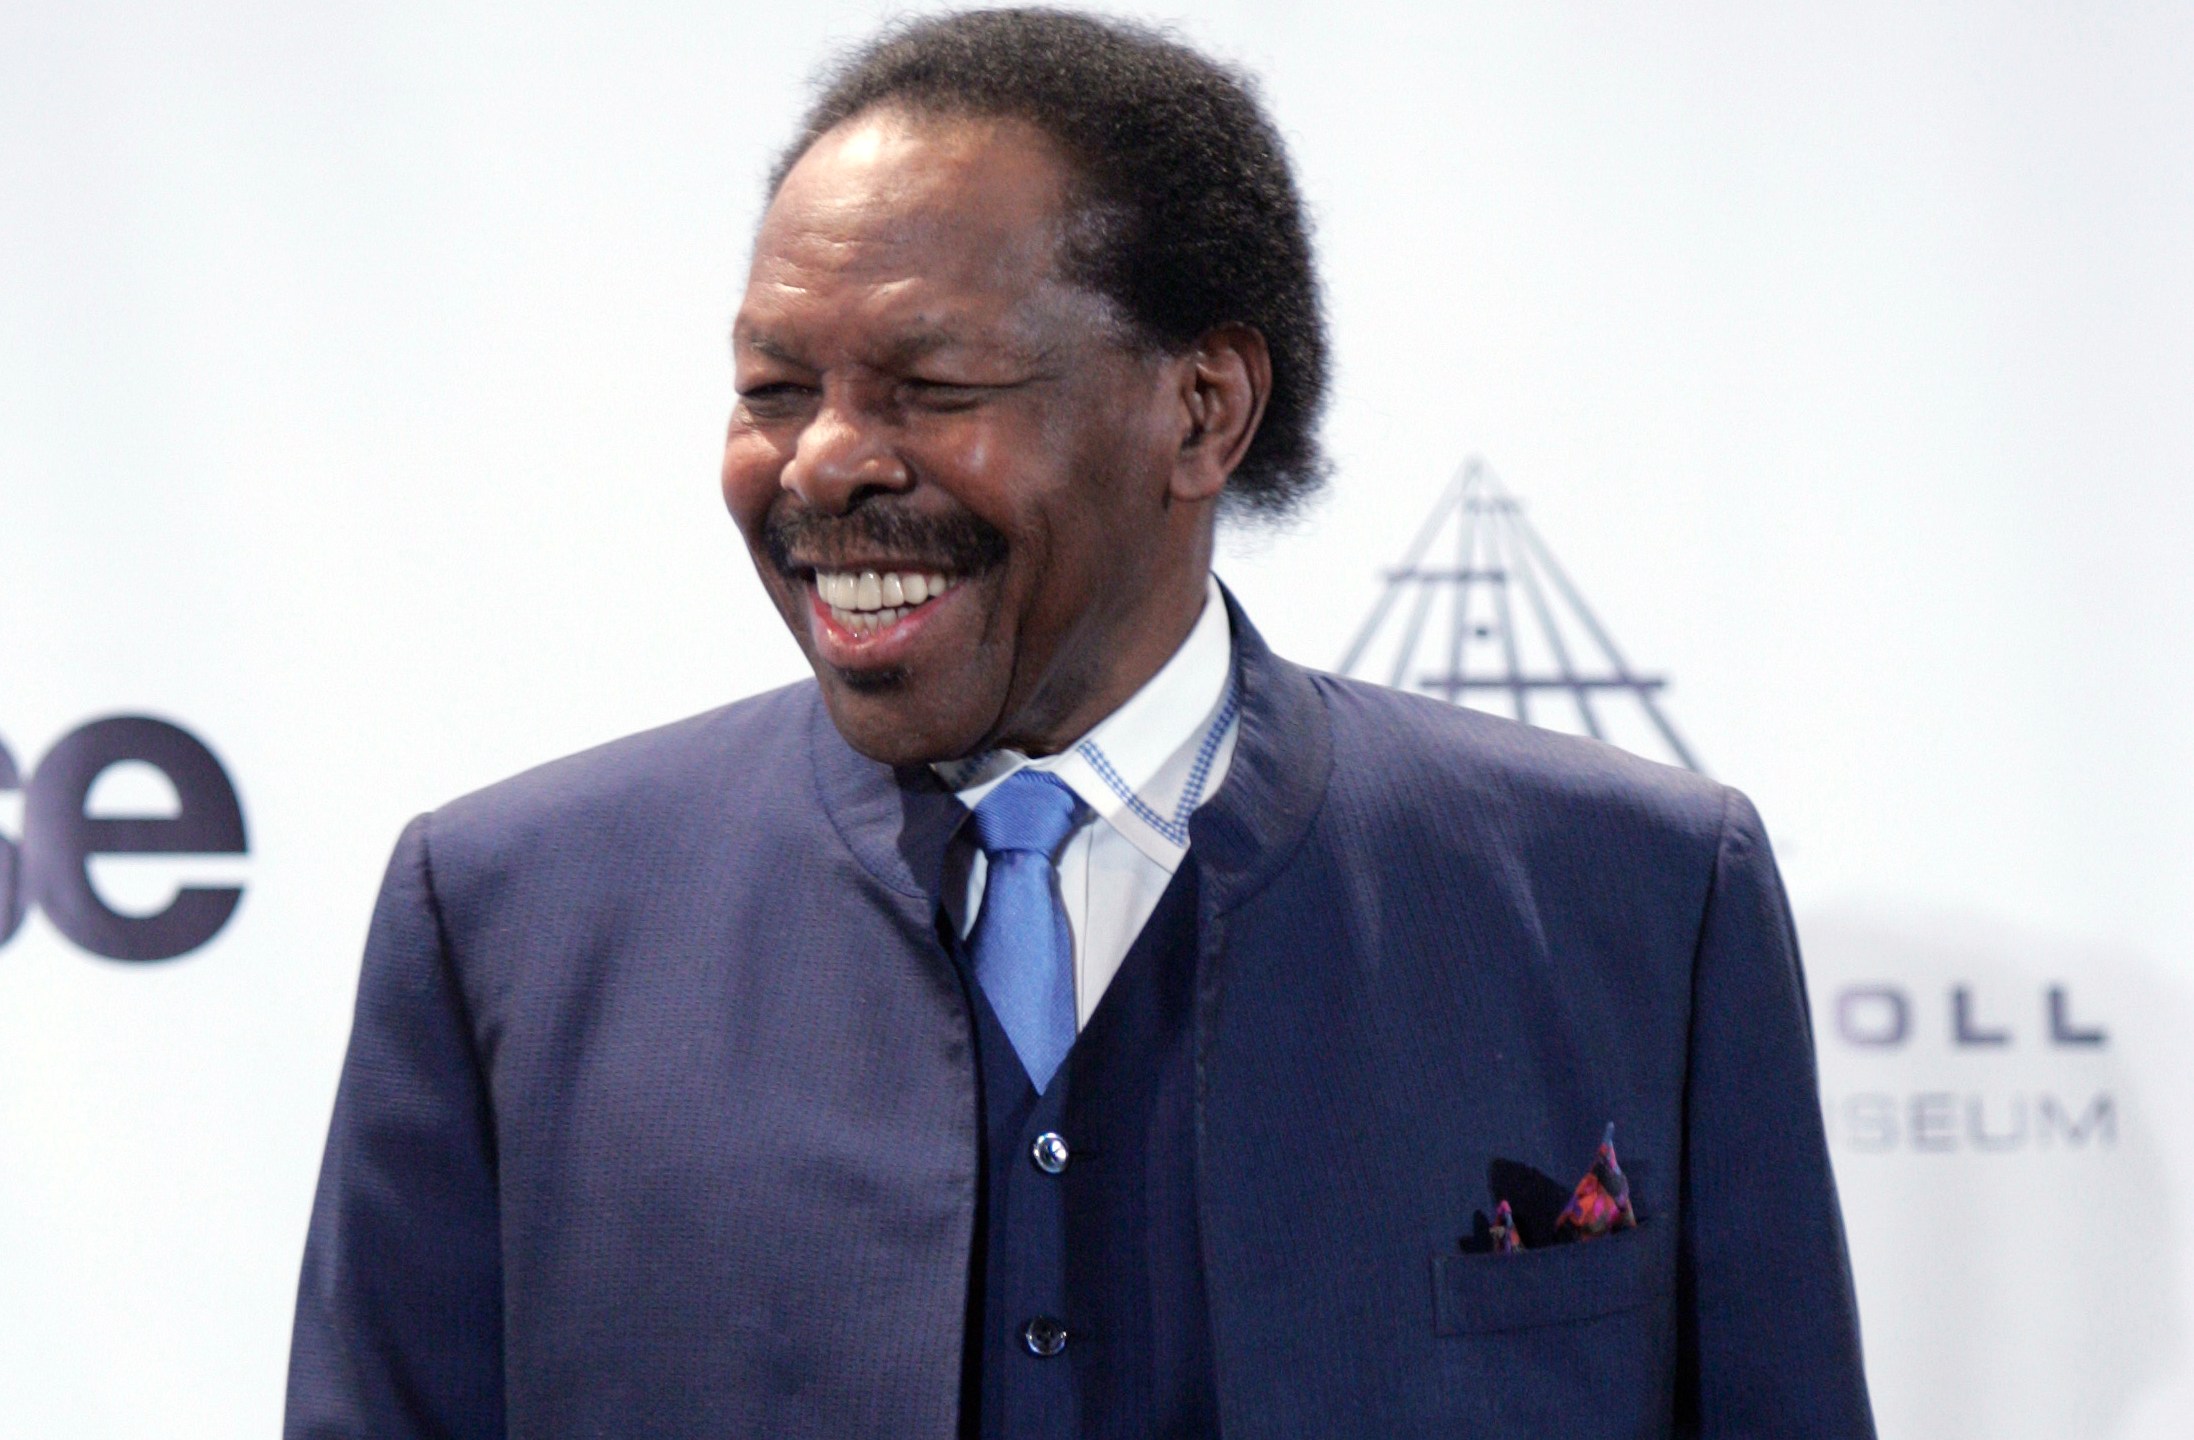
1480	613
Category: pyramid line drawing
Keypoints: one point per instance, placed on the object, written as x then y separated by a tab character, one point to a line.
1490	619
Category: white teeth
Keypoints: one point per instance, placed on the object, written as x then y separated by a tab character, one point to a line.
868	600
868	622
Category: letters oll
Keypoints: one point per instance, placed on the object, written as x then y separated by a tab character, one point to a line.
1884	1019
48	865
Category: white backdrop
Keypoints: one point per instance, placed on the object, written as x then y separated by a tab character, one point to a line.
361	376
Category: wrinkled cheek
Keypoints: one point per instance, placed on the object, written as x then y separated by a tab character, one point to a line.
973	451
752	466
999	631
749	506
792	603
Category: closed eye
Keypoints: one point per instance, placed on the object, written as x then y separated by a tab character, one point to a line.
947	395
775	400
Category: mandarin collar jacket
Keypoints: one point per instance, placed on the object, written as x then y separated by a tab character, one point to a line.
659	1115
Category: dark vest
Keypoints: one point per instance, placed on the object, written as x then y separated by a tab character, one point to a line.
1086	1311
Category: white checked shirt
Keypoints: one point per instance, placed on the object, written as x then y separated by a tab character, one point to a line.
1142	772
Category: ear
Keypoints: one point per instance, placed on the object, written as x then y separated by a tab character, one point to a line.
1224	383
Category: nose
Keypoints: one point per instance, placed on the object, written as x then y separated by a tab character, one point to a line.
842	454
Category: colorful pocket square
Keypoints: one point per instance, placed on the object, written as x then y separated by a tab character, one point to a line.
1601	1201
1503	1231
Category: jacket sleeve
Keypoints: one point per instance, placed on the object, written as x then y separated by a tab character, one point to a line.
399	1311
1769	1343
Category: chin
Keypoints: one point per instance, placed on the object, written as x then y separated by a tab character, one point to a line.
880	717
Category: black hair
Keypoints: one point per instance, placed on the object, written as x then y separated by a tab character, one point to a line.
1187	213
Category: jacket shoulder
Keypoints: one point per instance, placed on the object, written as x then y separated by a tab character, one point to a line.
1410	758
630	792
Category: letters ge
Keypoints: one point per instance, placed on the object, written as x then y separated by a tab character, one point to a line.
49	867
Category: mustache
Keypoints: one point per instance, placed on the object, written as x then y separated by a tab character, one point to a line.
798	539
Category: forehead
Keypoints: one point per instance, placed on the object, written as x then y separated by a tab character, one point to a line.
896	219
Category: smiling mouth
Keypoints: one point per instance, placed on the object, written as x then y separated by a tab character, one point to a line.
863	602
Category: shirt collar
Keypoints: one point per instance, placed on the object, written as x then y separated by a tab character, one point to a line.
1144	768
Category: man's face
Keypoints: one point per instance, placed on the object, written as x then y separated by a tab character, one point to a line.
925	406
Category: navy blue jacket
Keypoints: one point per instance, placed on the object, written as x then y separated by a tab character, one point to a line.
660	1117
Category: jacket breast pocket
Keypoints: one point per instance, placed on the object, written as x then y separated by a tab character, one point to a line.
1484	1294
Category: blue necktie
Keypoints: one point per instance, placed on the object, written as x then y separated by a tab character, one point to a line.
1024	953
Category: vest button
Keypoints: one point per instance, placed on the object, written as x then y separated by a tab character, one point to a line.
1044	1336
1050	1152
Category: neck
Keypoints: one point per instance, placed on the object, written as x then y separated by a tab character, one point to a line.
1135	647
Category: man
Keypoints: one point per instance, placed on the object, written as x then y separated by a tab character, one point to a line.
1064	1017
